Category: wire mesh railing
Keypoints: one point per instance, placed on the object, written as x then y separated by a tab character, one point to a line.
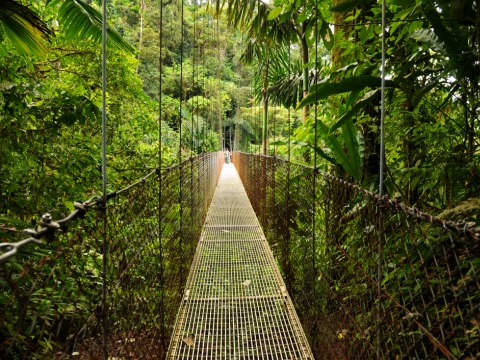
326	243
51	295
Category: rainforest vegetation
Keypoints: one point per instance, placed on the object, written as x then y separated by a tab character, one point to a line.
225	67
297	79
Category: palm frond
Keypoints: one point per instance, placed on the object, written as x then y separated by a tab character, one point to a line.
82	21
23	28
245	125
239	12
287	88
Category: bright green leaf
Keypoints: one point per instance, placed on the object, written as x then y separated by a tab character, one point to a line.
273	14
354	110
23	28
354	83
82	21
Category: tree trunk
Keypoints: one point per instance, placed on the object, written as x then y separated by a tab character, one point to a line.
142	7
339	21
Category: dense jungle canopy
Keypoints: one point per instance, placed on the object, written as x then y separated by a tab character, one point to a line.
309	67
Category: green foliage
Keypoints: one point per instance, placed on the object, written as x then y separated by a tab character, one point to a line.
350	84
82	21
23	28
350	160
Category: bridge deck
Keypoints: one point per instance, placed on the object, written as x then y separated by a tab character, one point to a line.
236	305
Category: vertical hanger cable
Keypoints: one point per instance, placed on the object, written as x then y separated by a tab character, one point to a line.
160	182
104	176
380	185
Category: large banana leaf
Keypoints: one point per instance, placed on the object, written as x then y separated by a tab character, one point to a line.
23	28
82	21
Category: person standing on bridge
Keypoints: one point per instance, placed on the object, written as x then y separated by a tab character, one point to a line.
227	156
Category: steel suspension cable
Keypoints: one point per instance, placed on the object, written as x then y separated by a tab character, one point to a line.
289	108
380	185
197	52
287	245
315	170
180	200
204	83
209	80
104	177
193	81
259	114
160	180
180	128
192	145
252	101
219	92
260	79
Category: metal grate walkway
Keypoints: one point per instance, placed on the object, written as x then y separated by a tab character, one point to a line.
235	304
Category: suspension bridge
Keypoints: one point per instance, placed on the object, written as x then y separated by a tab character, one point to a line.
197	264
262	259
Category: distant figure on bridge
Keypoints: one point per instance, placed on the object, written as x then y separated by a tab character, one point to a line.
227	156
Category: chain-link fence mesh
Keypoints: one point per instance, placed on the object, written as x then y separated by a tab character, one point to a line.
325	234
51	296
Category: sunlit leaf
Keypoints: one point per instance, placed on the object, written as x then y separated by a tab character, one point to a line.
82	21
429	38
274	13
354	83
23	28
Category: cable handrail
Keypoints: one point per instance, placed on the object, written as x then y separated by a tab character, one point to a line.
468	229
429	265
49	226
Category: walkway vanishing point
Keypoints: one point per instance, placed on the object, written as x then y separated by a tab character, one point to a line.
235	304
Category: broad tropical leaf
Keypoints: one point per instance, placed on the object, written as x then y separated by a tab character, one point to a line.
325	156
429	38
354	83
327	36
349	132
23	28
82	21
417	97
351	166
354	110
14	222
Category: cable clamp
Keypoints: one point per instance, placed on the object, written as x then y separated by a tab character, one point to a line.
10	249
